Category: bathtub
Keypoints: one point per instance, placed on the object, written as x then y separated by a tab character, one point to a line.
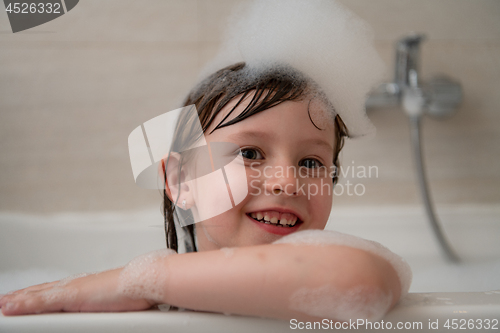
443	296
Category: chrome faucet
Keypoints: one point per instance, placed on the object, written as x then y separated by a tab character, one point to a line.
439	97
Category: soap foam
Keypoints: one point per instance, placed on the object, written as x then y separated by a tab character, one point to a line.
325	237
144	277
68	279
62	295
228	251
330	302
59	295
322	39
164	307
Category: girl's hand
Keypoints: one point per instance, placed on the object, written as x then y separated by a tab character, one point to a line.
92	293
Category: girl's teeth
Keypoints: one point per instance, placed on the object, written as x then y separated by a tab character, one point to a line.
287	220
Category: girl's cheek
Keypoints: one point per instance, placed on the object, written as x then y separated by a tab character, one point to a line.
254	183
254	188
318	187
321	196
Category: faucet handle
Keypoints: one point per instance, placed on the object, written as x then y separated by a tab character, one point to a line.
412	40
445	95
407	60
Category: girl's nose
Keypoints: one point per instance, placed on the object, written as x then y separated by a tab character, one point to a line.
282	181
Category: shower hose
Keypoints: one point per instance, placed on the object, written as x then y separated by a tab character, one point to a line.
415	129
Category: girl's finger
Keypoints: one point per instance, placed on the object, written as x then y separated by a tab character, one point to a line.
46	300
31	305
6	299
31	288
17	295
39	286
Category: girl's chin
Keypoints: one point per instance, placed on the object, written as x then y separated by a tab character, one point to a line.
275	229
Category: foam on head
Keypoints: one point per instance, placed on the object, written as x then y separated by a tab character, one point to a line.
144	276
239	78
319	38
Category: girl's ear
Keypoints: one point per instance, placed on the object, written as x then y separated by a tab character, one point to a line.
176	188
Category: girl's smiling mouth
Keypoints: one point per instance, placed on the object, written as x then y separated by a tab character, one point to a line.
276	222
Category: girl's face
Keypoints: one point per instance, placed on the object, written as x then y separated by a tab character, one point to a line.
289	164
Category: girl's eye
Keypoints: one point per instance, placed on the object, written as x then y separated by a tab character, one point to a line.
310	163
251	154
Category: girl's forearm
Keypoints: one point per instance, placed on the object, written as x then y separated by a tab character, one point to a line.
285	281
282	281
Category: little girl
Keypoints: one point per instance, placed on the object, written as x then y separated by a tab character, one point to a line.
267	254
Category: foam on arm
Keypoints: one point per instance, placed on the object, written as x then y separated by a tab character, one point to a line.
323	237
331	301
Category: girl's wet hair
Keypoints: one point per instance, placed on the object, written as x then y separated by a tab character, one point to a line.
267	88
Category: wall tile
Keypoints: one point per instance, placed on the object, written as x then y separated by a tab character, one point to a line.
117	20
74	88
444	19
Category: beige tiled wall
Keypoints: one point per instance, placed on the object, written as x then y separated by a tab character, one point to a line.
71	91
